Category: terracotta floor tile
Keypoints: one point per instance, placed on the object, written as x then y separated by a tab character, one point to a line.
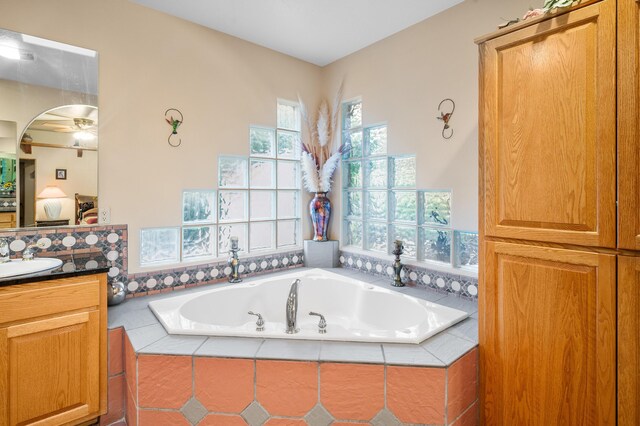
222	420
116	353
130	367
115	400
164	381
162	418
131	412
462	387
285	422
416	394
224	385
352	391
471	417
287	388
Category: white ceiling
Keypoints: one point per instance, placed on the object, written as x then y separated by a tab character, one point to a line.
316	31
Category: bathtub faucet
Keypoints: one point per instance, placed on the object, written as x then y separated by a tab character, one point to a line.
292	308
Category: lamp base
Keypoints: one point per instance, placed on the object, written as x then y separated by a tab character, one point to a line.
52	208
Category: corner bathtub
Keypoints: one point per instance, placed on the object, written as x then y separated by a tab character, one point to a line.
354	310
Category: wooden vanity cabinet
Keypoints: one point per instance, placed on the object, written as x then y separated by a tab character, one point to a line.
53	351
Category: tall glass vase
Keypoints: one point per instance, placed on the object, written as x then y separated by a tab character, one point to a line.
320	209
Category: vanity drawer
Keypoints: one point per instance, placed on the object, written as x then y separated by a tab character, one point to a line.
28	301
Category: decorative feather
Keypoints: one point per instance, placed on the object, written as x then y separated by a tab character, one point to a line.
320	155
327	172
323	124
310	174
335	118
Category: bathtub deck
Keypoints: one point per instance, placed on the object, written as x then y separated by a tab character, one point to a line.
147	335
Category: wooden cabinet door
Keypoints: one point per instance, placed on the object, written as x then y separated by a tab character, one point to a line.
628	341
51	370
548	139
629	124
547	336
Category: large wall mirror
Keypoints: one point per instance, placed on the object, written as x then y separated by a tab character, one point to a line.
48	133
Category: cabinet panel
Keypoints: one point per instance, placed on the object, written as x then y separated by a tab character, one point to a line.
547	336
548	130
629	124
628	341
53	369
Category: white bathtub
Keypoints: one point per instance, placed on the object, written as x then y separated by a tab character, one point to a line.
354	310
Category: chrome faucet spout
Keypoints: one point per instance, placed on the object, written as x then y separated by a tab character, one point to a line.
292	308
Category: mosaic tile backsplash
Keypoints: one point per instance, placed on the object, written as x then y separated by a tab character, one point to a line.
112	241
460	285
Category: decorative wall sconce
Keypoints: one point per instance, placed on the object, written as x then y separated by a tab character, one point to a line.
174	123
447	131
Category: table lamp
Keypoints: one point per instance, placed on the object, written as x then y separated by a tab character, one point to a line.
52	204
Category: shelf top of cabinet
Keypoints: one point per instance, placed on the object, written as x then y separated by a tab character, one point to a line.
529	22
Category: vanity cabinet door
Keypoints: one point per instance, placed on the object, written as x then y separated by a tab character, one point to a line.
52	370
629	124
628	341
547	336
548	130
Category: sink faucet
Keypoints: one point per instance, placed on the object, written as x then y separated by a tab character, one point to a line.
4	251
292	308
29	252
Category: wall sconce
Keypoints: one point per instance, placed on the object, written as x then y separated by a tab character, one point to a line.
52	204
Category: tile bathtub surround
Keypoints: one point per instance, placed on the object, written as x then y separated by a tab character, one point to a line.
193	390
228	381
459	285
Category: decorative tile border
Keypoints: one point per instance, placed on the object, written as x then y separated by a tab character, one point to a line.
154	282
460	285
112	241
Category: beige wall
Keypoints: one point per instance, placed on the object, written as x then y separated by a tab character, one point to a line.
403	78
149	62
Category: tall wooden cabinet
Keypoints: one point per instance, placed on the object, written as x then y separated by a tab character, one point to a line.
559	205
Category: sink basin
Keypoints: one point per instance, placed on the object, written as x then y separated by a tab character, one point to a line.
19	267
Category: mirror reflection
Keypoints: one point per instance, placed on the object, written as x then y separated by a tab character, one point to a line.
48	132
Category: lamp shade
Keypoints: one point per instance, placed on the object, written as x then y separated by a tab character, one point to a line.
52	192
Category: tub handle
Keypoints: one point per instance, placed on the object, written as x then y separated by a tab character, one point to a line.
259	322
322	325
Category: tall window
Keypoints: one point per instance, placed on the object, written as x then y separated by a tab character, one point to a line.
258	201
382	203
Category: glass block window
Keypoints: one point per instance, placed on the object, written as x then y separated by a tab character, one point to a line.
436	208
159	245
232	172
262	142
198	242
466	249
198	206
382	204
435	244
258	201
